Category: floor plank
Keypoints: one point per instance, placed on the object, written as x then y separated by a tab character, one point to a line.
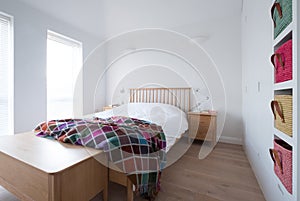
225	175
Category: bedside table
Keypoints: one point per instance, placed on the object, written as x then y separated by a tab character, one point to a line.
203	126
105	108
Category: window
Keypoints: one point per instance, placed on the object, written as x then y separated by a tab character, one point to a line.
64	61
6	74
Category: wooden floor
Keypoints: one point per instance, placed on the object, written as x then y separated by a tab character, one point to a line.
225	175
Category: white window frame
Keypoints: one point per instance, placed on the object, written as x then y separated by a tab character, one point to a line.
10	19
78	96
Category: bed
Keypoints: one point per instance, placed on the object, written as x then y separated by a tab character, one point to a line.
35	168
164	106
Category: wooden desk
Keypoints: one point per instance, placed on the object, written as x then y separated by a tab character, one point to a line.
40	169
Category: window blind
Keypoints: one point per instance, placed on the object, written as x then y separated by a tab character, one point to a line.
6	68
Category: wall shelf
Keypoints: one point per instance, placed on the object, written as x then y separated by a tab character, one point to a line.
288	139
284	85
285	193
285	34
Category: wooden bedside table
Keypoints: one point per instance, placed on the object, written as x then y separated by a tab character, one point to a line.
105	108
109	107
203	126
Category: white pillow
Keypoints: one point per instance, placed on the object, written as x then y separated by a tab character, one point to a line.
172	119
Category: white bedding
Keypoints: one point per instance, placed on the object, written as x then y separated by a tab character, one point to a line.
173	120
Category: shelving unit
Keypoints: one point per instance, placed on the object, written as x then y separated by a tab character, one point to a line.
284	137
285	33
290	87
285	85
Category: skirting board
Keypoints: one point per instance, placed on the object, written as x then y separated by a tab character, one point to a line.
231	140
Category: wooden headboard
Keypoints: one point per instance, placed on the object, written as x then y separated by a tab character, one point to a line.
179	97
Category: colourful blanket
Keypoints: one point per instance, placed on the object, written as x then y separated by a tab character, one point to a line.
137	147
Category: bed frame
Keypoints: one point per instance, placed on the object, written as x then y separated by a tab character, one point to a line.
179	97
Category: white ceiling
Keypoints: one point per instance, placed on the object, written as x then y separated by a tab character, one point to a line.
105	17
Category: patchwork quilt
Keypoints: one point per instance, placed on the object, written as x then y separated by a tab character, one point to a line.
136	146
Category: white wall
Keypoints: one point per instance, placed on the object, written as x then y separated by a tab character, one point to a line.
30	34
221	41
224	47
219	38
220	63
257	116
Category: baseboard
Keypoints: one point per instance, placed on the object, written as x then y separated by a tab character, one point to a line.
231	140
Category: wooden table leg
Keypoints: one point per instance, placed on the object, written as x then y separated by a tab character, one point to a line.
129	190
105	190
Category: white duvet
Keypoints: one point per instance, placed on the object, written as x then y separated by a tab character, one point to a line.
173	120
